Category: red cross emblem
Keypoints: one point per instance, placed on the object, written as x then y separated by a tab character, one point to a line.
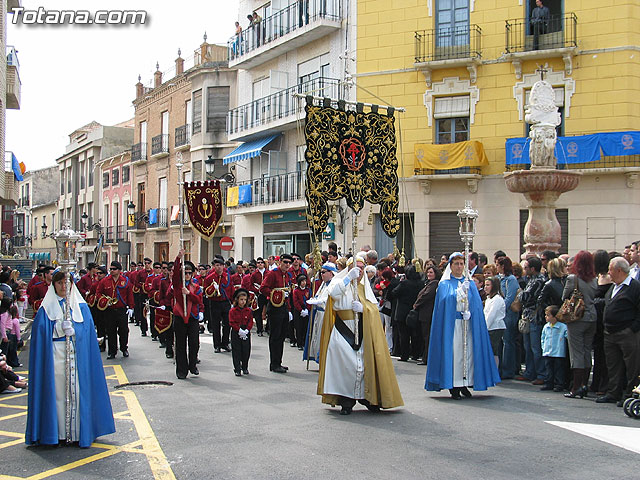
352	153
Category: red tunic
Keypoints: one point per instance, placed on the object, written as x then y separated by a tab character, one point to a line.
147	283
195	304
84	285
293	274
241	318
224	284
165	294
256	280
236	280
274	279
155	288
112	294
38	291
300	298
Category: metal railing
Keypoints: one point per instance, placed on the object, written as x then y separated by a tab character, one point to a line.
161	219
185	220
448	43
121	233
160	144
110	234
183	135
139	152
559	31
12	56
451	171
279	105
141	219
281	23
276	188
604	162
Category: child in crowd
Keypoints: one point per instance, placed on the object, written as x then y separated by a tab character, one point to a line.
553	338
241	323
300	311
21	300
13	336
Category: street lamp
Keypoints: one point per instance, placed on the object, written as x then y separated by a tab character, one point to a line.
44	230
468	217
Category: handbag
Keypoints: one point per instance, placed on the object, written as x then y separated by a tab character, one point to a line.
572	308
516	305
524	325
412	319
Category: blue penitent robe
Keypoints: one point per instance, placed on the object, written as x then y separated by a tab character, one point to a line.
95	416
440	361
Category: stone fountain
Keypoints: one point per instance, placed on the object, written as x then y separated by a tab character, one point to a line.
543	184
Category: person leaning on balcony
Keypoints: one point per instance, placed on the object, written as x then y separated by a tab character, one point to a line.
539	20
255	23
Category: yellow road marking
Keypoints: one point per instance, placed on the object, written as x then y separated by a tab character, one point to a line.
7	417
72	465
19	407
12	443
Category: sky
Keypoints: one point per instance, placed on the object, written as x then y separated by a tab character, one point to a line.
74	74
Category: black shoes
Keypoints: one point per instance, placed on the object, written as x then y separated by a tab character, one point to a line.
195	371
547	387
279	370
238	374
111	356
226	348
169	354
582	392
346	410
245	371
465	391
125	353
604	399
143	334
182	377
154	339
455	393
217	350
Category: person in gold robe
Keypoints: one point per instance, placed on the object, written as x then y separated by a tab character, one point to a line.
355	364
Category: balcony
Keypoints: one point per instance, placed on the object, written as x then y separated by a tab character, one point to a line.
13	79
288	29
287	187
161	218
160	146
140	221
110	235
557	38
448	47
121	233
277	112
138	153
183	137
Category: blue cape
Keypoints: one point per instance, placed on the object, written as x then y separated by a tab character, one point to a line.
95	414
440	362
305	353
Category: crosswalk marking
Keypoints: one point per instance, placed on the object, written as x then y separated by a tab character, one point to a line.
623	437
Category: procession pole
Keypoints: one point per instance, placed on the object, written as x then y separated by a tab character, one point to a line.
179	165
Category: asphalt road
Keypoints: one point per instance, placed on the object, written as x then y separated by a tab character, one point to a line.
268	425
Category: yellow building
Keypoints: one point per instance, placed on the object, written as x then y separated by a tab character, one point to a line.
463	71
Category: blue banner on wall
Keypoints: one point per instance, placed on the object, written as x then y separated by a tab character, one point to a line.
616	144
244	194
153	216
578	149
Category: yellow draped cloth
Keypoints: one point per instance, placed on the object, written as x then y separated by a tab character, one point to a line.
449	155
233	194
380	383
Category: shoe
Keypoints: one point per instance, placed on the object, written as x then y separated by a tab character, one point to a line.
547	387
455	393
169	355
238	373
111	356
537	381
346	411
465	391
403	359
520	378
125	353
373	408
581	392
619	403
279	370
293	344
154	339
300	348
217	350
194	371
285	367
245	371
143	334
198	361
226	348
181	377
421	363
604	399
6	391
558	389
261	334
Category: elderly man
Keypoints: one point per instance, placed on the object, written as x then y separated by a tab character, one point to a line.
621	332
372	257
91	415
354	360
460	354
318	302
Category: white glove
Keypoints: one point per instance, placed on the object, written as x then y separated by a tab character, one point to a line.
129	312
290	316
465	285
286	294
67	328
354	273
314	301
304	313
356	306
162	307
242	334
466	315
244	331
200	317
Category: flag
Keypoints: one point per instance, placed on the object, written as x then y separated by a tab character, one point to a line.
232	196
15	165
175	212
153	216
203	202
244	194
620	143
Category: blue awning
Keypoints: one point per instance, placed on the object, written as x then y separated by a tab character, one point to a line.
248	149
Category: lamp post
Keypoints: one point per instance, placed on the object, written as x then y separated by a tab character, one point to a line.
66	248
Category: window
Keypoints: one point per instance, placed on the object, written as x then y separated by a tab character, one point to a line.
90	171
197	111
61	182
125	173
452	23
35	227
141	198
115	176
452	130
83	179
197	171
444	237
105	180
314	68
217	108
69	180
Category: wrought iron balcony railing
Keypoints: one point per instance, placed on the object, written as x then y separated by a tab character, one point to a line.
559	31
161	220
110	234
276	188
451	171
448	43
160	144
294	17
139	152
279	105
183	135
604	162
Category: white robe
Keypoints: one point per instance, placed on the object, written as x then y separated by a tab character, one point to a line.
318	315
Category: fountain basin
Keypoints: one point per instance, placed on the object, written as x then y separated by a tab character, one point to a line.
542	180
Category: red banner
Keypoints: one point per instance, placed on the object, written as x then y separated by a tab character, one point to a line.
162	320
204	204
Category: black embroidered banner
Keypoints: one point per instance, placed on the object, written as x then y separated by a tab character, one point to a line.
351	155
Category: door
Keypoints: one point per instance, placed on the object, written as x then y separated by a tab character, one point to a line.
452	24
188	117
143	138
162	192
165	131
161	251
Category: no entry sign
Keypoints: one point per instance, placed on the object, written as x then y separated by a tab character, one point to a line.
226	243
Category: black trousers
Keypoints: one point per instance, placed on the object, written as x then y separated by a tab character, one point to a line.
301	329
623	358
257	315
117	329
425	327
138	313
220	322
279	323
187	335
207	313
166	338
555	371
100	323
240	351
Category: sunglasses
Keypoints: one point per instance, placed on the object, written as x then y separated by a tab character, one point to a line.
188	272
113	268
324	271
286	262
